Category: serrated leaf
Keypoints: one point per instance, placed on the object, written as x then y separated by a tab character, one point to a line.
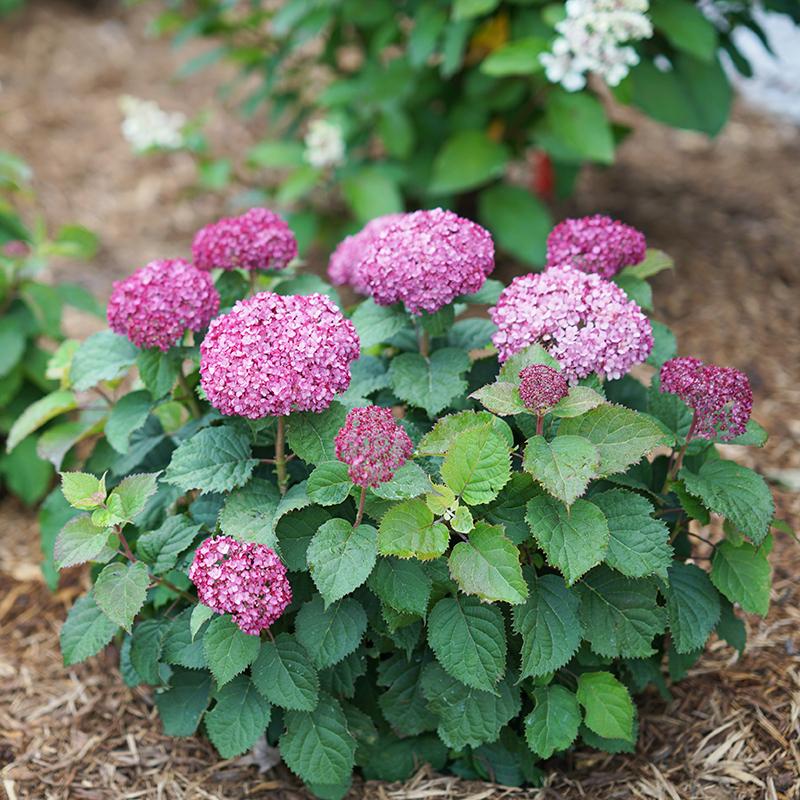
86	631
501	397
200	615
462	520
477	465
284	675
179	645
83	490
743	575
120	591
330	634
429	383
130	412
508	508
160	548
403	584
104	356
620	615
295	532
579	400
341	557
310	436
329	484
249	512
403	704
564	466
654	262
408	530
239	717
553	724
487	565
228	649
79	541
409	481
213	460
130	496
146	647
735	492
574	539
730	627
182	705
693	606
469	641
158	370
38	413
533	354
607	705
549	625
444	433
376	324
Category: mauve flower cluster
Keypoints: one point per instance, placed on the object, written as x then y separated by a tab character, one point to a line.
595	244
372	445
720	396
271	355
344	261
541	387
588	324
258	239
155	306
425	260
244	579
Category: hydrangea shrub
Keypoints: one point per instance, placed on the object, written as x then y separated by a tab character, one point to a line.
378	540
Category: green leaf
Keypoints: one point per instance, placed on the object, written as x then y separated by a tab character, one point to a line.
213	460
310	436
620	616
469	158
317	744
341	557
146	648
179	644
86	631
533	354
83	490
564	466
294	534
429	383
736	492
579	400
329	634
444	433
128	415
12	345
574	539
160	548
371	192
404	585
200	615
487	565
228	649
329	484
575	128
477	465
639	544
655	261
693	606
79	541
182	705
622	436
501	397
730	627
239	717
158	371
407	530
249	513
409	481
469	641
75	241
607	705
467	9
130	496
104	356
276	153
403	704
283	674
518	57
553	724
549	625
377	324
743	575
120	591
685	27
37	414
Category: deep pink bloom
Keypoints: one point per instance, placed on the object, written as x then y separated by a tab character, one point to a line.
344	261
720	396
425	260
588	324
258	239
157	304
541	387
271	355
372	445
244	579
16	248
595	244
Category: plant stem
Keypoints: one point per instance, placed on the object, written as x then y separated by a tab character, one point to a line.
253	281
676	462
424	343
539	424
125	546
191	400
280	456
361	503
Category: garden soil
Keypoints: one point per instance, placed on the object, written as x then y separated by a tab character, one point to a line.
725	209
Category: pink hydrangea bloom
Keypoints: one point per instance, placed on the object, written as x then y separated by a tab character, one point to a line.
541	387
588	324
271	355
258	239
595	244
372	445
159	302
244	579
16	248
344	261
720	396
425	260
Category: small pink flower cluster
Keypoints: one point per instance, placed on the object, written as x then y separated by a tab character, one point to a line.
271	355
16	248
372	445
425	260
155	306
344	261
595	244
588	324
244	579
258	239
541	387
720	396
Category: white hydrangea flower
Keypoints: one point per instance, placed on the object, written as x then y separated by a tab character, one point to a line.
146	125
324	144
592	39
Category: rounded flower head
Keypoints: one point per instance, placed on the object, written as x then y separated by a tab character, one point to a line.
541	387
271	355
720	396
344	261
588	324
157	304
595	244
244	579
425	260
258	239
372	445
